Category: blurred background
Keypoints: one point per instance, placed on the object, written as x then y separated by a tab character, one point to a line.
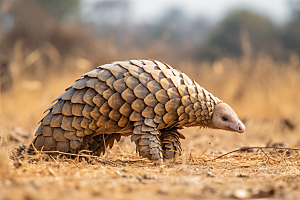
244	52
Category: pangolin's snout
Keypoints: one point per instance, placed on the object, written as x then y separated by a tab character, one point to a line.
241	127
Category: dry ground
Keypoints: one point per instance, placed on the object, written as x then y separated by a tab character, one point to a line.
121	174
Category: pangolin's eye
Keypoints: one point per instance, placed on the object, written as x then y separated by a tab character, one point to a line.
225	118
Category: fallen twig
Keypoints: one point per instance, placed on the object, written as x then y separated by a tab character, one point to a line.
79	153
246	148
269	158
64	153
208	145
282	158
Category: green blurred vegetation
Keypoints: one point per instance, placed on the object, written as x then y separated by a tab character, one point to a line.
291	35
240	33
59	8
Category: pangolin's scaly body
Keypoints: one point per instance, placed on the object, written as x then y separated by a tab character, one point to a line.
146	99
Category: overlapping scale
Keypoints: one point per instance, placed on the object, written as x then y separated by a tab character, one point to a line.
81	83
135	71
78	96
67	109
153	87
100	87
120	85
110	82
117	71
145	78
138	105
56	120
116	101
104	75
150	100
140	91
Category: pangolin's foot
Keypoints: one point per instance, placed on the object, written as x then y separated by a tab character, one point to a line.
171	147
148	146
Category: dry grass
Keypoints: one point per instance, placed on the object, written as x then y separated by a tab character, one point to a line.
4	166
122	175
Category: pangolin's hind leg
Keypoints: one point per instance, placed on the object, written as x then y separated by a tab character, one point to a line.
99	143
170	142
147	143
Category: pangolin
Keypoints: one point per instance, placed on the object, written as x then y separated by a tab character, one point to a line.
145	99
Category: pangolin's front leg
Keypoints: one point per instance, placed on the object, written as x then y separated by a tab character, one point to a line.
147	142
170	142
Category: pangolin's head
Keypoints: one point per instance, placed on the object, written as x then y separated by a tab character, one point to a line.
225	118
